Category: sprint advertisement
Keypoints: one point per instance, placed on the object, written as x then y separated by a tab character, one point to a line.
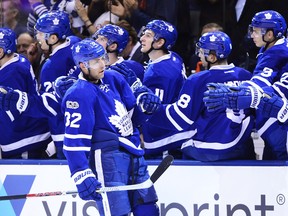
183	190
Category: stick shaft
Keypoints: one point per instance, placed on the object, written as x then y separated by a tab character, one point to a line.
163	166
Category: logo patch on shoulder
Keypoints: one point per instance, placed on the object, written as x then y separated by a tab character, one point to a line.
72	104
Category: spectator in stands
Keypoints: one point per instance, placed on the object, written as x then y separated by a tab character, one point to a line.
24	40
97	15
139	12
11	16
28	46
39	7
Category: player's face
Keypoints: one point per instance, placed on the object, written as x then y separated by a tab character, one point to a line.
40	36
202	57
146	40
102	40
257	35
96	68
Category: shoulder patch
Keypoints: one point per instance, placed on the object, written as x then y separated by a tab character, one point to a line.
72	105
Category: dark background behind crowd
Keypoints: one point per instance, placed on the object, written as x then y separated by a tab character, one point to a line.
189	16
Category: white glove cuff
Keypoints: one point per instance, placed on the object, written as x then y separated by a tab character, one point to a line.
138	102
80	176
137	84
256	95
282	115
22	102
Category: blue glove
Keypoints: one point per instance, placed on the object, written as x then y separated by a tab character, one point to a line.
272	105
147	101
13	99
242	97
62	84
129	75
214	96
87	184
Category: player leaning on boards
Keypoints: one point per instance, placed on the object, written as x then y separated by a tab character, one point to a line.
164	75
21	137
220	135
54	35
268	30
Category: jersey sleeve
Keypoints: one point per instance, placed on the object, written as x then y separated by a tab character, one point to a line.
181	114
79	114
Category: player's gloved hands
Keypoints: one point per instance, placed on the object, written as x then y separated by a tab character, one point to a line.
62	84
147	101
129	75
87	184
272	105
13	99
242	97
214	96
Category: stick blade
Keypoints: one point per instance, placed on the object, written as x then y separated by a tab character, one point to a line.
163	166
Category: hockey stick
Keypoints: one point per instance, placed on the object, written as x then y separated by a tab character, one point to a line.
163	166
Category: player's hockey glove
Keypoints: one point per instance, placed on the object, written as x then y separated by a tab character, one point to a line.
147	101
214	96
62	84
13	99
272	105
129	75
242	97
87	184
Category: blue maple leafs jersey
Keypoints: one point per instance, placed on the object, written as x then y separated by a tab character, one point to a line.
59	63
271	75
165	77
106	106
20	133
214	132
271	64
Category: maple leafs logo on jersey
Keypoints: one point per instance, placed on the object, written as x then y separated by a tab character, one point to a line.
56	21
122	120
268	16
1	35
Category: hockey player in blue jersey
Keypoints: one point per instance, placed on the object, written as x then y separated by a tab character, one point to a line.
39	7
221	135
268	30
164	75
52	33
114	39
21	136
98	110
272	105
